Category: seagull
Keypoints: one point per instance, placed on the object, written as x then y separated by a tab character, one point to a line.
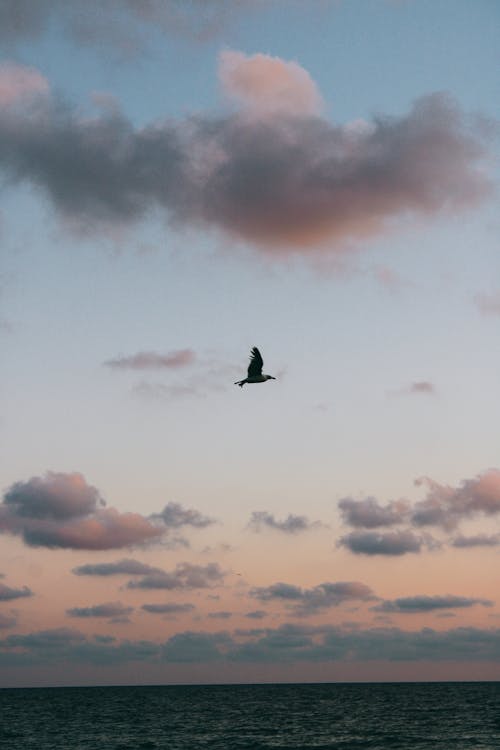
255	370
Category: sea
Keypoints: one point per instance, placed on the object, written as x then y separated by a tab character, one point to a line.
379	716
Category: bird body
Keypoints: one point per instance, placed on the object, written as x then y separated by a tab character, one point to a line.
255	370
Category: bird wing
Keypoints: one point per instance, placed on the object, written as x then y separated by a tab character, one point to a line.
256	363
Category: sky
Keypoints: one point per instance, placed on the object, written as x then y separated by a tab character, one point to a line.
181	182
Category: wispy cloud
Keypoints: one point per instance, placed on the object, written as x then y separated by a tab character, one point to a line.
109	609
476	540
184	576
120	567
153	360
114	27
489	304
169	608
292	524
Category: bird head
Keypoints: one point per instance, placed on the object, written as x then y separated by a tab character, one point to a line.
270	377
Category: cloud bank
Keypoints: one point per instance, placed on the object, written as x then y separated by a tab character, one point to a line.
286	180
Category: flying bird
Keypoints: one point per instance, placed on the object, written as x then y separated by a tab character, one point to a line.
255	370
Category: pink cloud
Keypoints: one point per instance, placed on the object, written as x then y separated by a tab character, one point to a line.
265	84
446	506
18	82
63	511
153	360
488	303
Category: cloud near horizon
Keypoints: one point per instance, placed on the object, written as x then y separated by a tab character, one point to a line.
62	511
282	182
286	643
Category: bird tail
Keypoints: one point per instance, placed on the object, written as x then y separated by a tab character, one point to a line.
241	383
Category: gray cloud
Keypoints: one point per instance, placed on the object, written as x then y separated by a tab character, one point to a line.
109	609
306	602
7	593
153	360
174	516
477	540
63	511
292	524
412	604
196	647
326	183
287	643
377	543
168	608
120	567
122	26
369	514
184	576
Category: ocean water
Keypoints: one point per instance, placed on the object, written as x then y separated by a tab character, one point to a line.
414	716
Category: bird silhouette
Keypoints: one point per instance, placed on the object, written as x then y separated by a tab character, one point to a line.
255	370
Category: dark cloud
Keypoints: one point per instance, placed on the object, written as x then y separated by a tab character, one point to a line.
196	647
63	511
56	638
377	543
412	604
174	516
446	506
168	608
184	576
292	524
478	540
7	593
279	181
369	514
317	599
287	643
153	360
120	567
109	609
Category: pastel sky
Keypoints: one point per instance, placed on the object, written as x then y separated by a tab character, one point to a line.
180	182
